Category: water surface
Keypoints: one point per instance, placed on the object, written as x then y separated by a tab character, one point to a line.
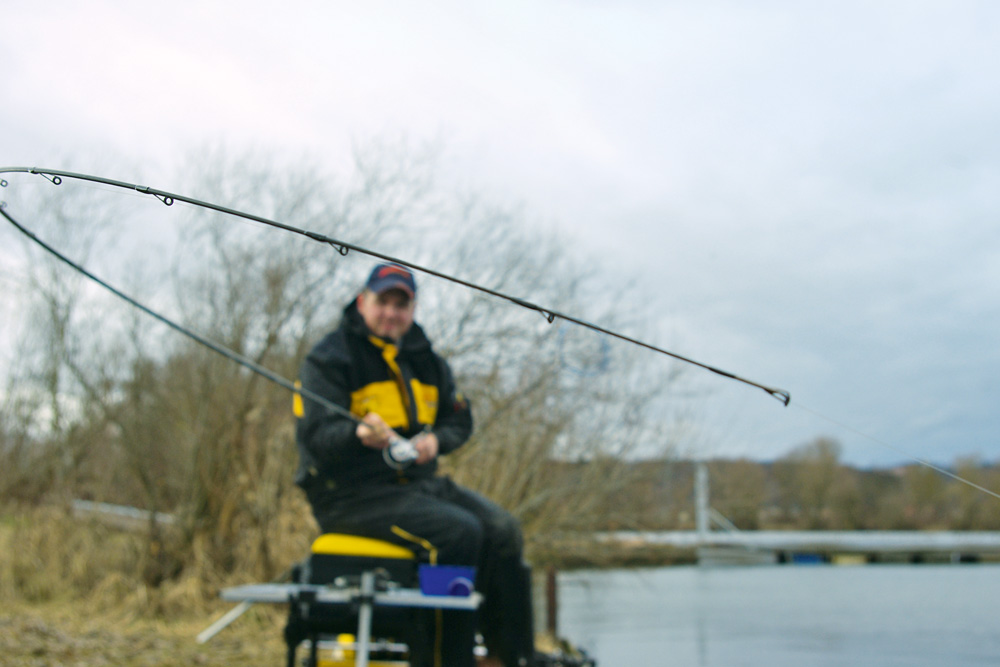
914	615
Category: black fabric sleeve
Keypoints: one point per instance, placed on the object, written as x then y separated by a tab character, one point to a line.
326	436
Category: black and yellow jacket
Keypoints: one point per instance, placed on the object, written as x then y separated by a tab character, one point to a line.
411	387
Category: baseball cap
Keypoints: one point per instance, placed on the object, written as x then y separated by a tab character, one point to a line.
385	277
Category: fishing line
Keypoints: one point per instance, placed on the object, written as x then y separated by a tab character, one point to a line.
915	459
343	247
220	349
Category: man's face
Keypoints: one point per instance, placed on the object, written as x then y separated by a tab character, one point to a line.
389	315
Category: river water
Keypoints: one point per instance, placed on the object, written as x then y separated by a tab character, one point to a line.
786	615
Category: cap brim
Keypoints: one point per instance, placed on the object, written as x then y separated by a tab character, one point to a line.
388	285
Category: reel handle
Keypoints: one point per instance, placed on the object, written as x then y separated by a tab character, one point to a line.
400	453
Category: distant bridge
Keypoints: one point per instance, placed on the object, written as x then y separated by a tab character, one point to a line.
834	545
731	545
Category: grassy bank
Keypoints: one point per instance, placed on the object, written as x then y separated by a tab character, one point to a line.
73	592
75	633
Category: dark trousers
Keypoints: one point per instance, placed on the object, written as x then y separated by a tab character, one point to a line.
450	525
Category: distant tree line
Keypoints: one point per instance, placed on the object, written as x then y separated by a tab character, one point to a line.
811	489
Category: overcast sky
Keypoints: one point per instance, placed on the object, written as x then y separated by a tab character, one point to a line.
809	190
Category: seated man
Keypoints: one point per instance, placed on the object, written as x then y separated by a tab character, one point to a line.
379	364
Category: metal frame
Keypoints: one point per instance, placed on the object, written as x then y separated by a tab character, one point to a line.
364	595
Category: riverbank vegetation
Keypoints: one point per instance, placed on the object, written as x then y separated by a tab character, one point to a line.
810	488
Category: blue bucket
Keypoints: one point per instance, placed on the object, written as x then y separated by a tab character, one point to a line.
454	580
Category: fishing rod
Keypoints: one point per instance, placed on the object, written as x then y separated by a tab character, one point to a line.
400	452
343	247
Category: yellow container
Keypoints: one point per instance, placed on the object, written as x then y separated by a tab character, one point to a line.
849	559
341	653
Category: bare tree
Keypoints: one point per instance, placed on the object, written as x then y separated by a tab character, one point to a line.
739	491
170	426
807	475
47	428
544	394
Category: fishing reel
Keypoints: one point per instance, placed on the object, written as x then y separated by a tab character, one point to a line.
400	453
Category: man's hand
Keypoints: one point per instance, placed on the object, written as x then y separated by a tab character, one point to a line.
426	445
374	432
